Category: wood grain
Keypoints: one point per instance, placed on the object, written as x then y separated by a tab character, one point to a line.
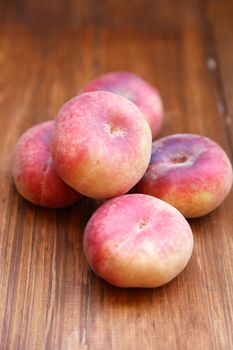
49	299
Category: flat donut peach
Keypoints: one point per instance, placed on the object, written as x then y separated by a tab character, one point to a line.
101	144
191	172
137	240
137	90
34	173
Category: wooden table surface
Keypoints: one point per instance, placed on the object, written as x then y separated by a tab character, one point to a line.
49	298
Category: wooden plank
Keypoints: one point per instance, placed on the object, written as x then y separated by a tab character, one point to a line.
49	299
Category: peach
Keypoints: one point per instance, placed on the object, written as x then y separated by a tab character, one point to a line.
33	170
191	172
137	240
137	90
101	144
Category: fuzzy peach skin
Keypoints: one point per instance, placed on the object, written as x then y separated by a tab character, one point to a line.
101	144
137	90
191	172
33	170
137	240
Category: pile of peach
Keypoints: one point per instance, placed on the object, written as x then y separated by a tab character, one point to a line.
100	146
